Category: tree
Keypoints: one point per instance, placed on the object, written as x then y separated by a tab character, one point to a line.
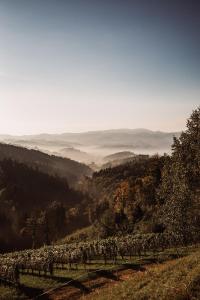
181	182
107	223
32	229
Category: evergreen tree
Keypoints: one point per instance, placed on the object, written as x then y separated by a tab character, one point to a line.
181	182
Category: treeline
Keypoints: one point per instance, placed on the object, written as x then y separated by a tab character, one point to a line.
156	194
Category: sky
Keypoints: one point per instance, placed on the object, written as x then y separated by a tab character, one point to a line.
80	65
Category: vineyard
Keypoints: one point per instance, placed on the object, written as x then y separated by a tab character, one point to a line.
44	261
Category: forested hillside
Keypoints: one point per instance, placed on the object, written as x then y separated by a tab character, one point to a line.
124	197
155	194
123	161
36	208
50	164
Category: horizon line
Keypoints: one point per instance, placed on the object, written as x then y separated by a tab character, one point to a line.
87	131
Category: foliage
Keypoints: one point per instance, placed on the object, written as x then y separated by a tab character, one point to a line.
181	182
124	196
34	207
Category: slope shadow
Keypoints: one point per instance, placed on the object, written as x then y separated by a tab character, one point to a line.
136	267
34	293
31	293
56	278
77	284
106	273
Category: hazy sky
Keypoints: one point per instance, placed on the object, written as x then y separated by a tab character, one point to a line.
69	65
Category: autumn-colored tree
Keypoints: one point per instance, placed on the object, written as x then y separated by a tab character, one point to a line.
122	196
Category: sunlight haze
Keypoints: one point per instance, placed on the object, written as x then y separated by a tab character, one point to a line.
92	65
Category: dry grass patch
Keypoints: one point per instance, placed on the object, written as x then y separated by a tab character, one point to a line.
173	280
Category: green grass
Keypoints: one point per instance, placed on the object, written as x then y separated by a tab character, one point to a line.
39	282
9	293
83	234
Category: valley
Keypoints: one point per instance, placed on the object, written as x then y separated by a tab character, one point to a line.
70	232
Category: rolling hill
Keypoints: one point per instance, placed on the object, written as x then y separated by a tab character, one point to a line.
118	156
50	164
76	154
99	143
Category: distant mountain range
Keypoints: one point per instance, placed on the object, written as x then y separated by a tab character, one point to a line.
93	146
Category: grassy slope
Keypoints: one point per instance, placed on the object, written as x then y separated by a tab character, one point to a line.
168	279
83	234
10	293
178	280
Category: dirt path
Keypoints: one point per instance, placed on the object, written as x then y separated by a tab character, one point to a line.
104	279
